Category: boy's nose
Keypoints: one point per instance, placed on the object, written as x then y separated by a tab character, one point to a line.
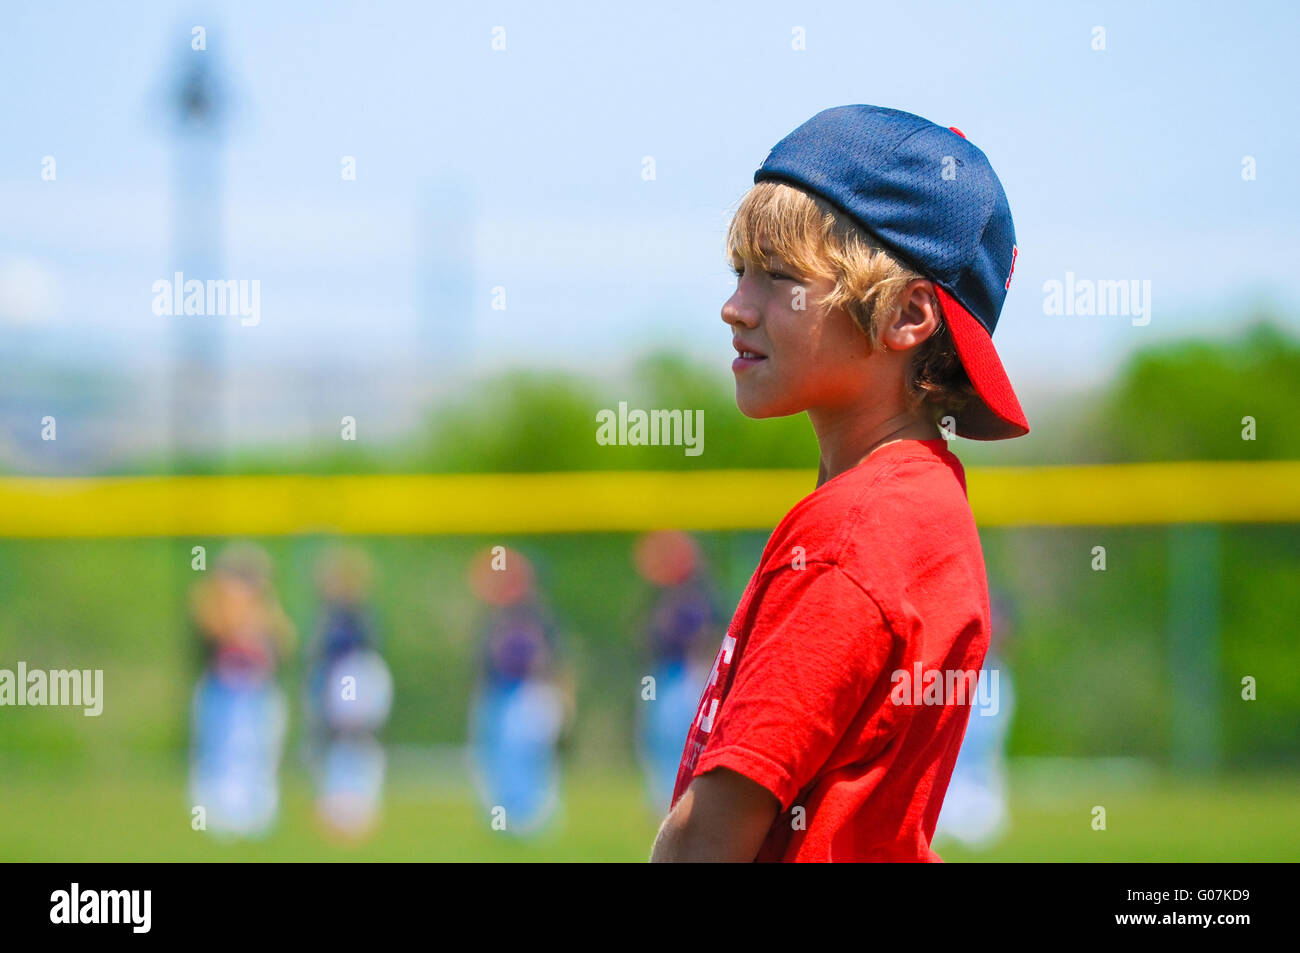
736	311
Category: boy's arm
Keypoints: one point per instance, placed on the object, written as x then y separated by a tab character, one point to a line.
722	816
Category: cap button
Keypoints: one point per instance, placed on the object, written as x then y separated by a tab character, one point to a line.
958	131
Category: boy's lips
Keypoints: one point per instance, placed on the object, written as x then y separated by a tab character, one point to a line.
746	350
749	356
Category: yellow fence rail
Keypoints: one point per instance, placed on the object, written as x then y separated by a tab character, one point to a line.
1119	494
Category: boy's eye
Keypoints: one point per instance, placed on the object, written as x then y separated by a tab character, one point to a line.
739	271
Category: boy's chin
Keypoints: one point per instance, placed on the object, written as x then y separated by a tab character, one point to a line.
758	408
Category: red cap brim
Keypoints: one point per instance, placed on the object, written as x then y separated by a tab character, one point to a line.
997	416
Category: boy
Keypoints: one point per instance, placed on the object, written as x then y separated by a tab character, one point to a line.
872	257
522	706
349	698
683	621
239	709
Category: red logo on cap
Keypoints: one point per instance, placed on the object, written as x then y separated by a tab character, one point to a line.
1014	251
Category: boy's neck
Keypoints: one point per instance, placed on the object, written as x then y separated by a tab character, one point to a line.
848	439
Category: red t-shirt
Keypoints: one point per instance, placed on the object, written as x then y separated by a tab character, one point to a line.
823	691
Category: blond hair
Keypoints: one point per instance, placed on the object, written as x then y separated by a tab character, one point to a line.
807	233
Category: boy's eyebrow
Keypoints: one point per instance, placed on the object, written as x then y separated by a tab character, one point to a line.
765	250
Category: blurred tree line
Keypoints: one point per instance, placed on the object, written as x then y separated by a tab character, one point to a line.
1177	400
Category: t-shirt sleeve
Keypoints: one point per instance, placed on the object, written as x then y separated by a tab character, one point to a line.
817	643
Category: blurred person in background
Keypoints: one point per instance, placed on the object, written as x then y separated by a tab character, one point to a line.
349	696
523	703
239	711
683	621
976	813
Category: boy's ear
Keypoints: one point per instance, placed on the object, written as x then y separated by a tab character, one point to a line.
918	314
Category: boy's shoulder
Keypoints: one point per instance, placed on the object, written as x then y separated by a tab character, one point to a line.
902	496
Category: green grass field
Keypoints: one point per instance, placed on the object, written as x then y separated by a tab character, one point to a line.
140	815
1083	690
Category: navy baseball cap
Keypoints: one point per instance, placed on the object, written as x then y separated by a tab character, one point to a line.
930	197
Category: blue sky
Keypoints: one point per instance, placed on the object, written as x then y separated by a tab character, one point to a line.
522	168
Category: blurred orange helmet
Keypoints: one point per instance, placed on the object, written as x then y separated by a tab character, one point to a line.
666	557
501	576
